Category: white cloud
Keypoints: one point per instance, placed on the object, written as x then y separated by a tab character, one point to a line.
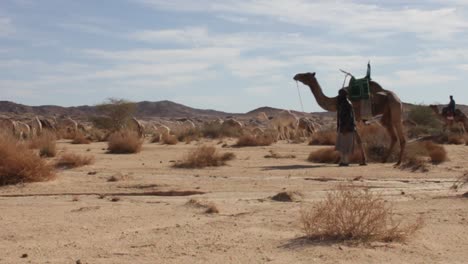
339	15
6	27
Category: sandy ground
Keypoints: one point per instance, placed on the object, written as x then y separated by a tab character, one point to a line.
66	220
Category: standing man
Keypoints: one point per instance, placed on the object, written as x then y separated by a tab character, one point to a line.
451	106
346	128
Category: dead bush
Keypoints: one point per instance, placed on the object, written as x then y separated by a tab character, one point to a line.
204	156
209	207
156	138
187	135
354	215
80	139
124	142
45	143
19	164
324	138
274	155
437	153
254	141
331	156
456	139
216	130
71	160
168	139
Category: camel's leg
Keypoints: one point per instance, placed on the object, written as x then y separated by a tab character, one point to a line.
393	138
402	139
361	149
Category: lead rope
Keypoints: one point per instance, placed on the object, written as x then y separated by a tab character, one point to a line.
300	98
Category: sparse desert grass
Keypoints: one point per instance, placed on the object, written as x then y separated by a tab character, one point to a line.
209	207
323	138
45	143
71	160
80	139
330	155
419	154
354	215
188	135
168	139
204	156
254	141
20	164
124	142
455	139
275	155
215	130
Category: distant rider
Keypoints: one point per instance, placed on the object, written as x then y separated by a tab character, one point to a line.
451	107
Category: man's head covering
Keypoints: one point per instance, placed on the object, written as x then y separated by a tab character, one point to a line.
343	92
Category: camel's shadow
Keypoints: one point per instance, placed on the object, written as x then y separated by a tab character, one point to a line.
293	167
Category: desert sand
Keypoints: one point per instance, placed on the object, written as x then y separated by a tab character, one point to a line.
73	219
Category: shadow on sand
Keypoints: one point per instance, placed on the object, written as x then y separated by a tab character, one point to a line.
294	167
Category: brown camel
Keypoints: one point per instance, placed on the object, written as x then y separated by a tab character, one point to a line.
384	103
459	118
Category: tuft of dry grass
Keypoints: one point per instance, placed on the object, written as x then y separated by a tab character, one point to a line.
168	139
124	142
187	135
210	207
71	160
354	215
324	155
204	156
19	164
46	144
323	138
437	153
456	139
275	155
80	139
254	141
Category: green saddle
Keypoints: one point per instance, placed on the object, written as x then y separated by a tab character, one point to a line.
359	89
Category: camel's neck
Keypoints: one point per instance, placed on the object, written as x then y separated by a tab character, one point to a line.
327	103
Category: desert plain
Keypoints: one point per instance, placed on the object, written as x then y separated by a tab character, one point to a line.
135	209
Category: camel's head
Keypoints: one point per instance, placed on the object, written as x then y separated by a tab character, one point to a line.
304	78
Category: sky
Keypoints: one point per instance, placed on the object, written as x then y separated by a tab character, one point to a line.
229	55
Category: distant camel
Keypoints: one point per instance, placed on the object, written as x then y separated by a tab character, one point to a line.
232	123
458	118
136	126
283	122
385	103
23	130
8	126
307	126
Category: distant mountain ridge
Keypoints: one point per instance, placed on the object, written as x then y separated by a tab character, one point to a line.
147	109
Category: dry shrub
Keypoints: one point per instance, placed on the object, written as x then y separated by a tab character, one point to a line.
97	135
437	153
331	156
419	154
275	155
187	135
19	164
355	215
64	133
204	156
254	141
287	197
323	138
456	139
71	160
168	139
45	143
80	139
216	130
124	142
210	207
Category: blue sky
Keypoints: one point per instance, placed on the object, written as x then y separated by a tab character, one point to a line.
230	55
